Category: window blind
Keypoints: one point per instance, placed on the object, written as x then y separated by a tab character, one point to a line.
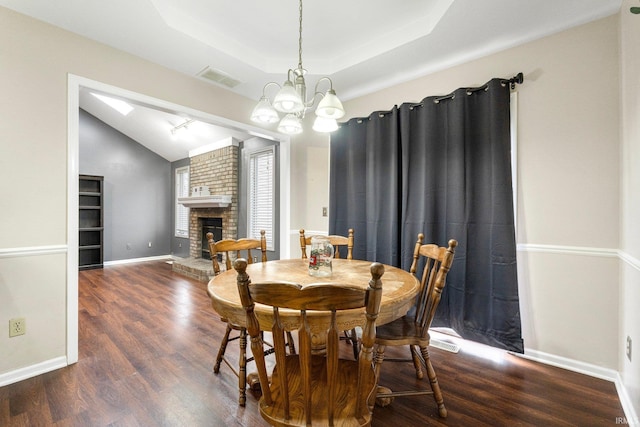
261	195
182	212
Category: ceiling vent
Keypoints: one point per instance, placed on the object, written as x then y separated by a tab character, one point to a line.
218	77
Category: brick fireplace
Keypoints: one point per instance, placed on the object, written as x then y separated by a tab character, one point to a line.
217	169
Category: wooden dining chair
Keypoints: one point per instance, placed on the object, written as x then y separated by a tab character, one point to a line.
307	389
230	250
413	328
346	242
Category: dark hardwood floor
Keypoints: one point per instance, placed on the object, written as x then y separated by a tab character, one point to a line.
148	339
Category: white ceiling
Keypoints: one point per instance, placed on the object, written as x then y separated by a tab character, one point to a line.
363	45
151	127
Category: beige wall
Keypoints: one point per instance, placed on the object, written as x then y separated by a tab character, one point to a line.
568	174
568	182
630	227
33	287
309	183
35	60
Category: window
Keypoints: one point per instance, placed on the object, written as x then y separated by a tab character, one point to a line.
182	212
261	195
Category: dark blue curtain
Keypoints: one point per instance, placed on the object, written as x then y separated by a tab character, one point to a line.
443	168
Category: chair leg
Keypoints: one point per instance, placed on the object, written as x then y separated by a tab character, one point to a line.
431	373
384	395
354	343
242	371
223	348
417	363
291	344
351	337
378	357
242	374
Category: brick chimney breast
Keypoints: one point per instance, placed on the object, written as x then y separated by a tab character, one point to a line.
217	169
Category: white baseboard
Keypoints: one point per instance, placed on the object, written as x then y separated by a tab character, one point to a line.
132	260
631	417
569	364
32	371
630	414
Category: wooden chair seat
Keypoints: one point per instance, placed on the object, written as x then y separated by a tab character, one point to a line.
402	331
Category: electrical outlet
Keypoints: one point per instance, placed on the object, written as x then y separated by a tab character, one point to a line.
629	348
324	211
128	246
149	244
17	327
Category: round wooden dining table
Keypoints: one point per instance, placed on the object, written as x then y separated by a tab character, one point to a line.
399	289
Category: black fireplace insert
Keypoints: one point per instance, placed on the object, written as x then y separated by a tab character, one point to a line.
210	225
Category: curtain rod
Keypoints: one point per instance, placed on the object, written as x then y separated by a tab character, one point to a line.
517	79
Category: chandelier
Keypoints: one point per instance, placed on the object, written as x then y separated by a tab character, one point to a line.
291	100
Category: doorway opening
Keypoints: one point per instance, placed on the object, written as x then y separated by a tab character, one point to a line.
75	84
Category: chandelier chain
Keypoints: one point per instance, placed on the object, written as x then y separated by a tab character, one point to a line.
300	39
292	100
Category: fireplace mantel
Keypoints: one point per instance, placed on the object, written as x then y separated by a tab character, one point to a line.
213	201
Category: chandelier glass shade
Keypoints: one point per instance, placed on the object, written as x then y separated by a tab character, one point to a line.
322	124
290	124
287	100
264	112
291	100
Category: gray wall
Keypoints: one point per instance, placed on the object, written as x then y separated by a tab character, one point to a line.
179	245
138	191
